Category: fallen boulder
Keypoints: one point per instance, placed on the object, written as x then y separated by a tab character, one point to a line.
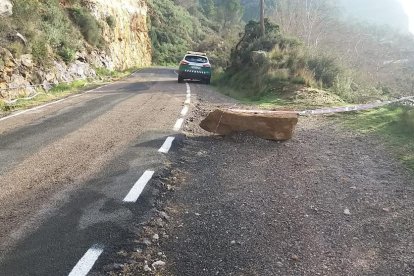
271	125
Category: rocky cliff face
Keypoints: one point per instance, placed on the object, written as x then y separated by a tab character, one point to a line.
127	34
126	45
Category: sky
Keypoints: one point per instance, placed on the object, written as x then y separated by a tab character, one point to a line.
409	10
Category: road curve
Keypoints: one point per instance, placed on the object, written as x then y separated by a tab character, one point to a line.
66	168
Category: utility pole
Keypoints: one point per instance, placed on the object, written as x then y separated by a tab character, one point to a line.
262	24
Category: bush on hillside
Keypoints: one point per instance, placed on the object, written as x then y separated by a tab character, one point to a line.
178	26
173	31
326	69
45	25
407	119
88	25
278	64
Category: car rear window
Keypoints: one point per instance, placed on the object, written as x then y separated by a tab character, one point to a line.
196	59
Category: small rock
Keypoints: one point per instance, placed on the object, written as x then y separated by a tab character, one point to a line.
27	60
233	242
295	257
147	268
347	212
158	264
118	266
164	215
279	264
160	223
6	8
197	214
386	210
156	237
146	242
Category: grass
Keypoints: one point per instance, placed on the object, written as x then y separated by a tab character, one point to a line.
393	124
299	100
64	89
57	92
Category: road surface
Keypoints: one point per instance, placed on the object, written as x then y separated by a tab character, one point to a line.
327	202
66	168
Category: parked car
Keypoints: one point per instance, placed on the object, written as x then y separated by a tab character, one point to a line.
195	66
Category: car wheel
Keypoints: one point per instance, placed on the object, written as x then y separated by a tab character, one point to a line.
180	80
207	81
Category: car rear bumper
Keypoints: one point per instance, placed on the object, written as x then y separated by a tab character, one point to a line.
189	74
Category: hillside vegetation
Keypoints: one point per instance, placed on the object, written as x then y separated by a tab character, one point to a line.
45	25
318	51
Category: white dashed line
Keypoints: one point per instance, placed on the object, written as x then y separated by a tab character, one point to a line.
167	145
88	260
178	124
139	187
185	110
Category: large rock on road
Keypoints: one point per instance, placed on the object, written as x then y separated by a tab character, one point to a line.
275	125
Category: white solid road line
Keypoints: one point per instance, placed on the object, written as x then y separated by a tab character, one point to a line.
178	124
188	88
88	260
38	107
185	110
139	187
167	145
52	103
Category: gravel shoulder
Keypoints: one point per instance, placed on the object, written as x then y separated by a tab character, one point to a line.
328	202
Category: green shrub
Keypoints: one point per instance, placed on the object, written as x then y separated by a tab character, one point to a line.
67	54
27	17
326	69
16	48
87	24
110	20
407	120
40	51
173	31
343	87
56	26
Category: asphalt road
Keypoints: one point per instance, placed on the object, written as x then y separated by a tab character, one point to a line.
66	168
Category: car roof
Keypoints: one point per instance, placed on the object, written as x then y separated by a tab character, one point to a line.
193	55
196	53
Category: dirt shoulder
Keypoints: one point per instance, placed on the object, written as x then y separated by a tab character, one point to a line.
328	202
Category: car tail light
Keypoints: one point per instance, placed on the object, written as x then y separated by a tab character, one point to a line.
183	62
207	66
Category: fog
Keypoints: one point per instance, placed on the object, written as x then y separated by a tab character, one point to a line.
395	13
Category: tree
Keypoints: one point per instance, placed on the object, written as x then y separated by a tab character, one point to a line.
262	23
229	12
209	8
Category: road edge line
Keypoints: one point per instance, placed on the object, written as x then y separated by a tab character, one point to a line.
139	186
86	263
